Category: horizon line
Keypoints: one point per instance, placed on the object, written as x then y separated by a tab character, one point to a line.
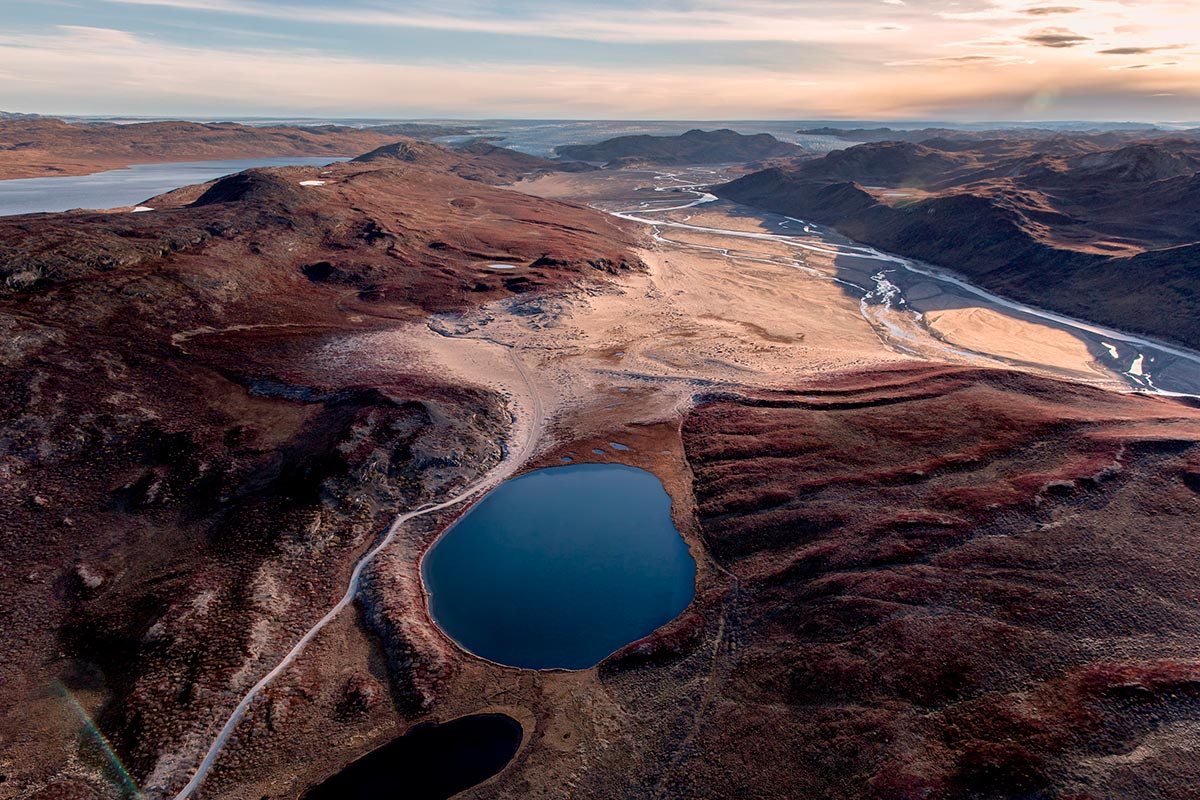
933	121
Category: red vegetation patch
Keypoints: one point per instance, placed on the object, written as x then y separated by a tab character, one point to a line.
939	568
680	636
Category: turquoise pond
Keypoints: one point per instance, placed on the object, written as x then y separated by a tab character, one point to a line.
561	567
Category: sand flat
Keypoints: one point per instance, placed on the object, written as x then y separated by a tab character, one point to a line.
989	331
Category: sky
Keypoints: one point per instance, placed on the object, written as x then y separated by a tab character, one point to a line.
955	60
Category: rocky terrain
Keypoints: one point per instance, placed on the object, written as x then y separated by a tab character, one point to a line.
928	582
694	147
1102	233
32	146
192	461
915	579
951	583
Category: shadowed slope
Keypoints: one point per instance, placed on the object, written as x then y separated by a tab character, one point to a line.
694	147
1103	235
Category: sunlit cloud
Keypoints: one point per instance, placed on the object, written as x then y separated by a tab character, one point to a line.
969	60
1056	37
623	58
987	41
1049	11
1015	10
185	80
101	66
1145	66
1137	51
702	21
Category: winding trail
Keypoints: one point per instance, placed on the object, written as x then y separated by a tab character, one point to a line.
526	446
528	432
712	683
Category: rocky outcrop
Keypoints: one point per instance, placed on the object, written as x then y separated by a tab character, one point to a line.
420	659
476	161
886	163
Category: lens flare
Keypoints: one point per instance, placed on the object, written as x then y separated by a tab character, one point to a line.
95	734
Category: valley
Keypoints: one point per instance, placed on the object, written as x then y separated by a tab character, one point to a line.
941	537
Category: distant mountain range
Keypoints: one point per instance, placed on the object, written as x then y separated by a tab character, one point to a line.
888	134
34	146
477	161
722	146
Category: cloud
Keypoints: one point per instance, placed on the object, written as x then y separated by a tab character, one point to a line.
80	70
703	21
972	59
101	37
1159	65
1138	51
988	41
349	58
1056	37
1049	11
91	71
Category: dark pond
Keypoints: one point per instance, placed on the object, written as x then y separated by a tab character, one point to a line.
561	567
430	762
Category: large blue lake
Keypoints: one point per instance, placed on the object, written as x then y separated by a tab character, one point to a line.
561	567
126	187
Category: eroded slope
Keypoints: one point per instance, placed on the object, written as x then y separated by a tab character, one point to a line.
953	583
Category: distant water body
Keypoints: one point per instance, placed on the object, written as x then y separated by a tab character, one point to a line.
126	187
540	137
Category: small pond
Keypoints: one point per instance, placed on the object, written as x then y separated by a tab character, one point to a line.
430	762
561	567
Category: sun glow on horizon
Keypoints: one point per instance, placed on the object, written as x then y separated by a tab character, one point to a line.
970	60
